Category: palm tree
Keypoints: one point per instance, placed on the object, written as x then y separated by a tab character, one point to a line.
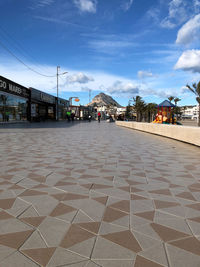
171	98
176	100
196	90
139	106
151	109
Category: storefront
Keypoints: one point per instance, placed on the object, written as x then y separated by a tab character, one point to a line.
14	101
43	106
63	106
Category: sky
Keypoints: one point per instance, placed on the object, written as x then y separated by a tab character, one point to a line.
123	48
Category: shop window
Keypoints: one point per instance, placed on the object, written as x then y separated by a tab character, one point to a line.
12	108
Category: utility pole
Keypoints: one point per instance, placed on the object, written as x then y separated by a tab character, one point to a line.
57	107
58	67
89	95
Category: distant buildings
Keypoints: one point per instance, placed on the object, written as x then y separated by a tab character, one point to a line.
190	112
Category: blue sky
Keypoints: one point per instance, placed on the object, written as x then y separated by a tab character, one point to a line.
121	47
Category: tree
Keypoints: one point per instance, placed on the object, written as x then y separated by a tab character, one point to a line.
195	89
176	100
171	98
139	106
151	110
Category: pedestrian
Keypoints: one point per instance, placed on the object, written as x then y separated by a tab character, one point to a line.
99	117
72	116
68	115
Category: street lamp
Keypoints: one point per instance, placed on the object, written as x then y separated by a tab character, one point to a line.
58	67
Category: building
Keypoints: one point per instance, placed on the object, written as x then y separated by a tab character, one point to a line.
14	101
190	112
18	103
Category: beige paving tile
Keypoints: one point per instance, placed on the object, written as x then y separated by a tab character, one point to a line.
18	260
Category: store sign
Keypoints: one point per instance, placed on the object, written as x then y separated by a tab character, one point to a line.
37	95
47	98
13	88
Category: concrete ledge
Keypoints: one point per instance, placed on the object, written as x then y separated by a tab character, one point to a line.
186	134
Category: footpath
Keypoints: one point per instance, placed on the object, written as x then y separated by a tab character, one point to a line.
94	194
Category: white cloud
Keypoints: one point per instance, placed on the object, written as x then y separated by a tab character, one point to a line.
190	31
120	87
189	61
86	5
79	78
41	3
127	5
144	74
179	11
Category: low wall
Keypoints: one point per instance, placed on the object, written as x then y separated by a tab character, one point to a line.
186	134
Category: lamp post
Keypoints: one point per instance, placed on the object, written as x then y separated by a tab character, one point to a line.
58	67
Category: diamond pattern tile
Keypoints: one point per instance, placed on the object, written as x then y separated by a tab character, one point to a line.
92	194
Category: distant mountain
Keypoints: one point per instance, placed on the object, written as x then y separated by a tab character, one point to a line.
103	100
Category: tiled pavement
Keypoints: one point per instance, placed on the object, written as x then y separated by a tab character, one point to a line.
97	195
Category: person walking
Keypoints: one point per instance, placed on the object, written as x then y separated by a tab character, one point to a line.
99	117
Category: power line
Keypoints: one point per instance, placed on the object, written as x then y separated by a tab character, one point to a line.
12	54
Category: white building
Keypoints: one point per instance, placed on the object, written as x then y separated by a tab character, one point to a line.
190	112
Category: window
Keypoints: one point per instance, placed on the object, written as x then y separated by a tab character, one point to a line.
12	108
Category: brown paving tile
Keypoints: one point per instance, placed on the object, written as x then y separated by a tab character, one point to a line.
71	196
166	233
195	186
125	188
62	183
161	179
125	239
194	206
149	215
111	215
192	189
109	178
100	186
90	226
31	192
6	176
135	190
142	262
61	209
196	219
186	195
5	182
74	236
133	182
7	203
16	186
34	221
137	197
165	204
40	179
4	215
40	255
161	192
87	186
102	200
123	205
15	240
174	186
190	244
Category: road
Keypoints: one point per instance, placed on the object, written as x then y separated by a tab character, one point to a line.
89	194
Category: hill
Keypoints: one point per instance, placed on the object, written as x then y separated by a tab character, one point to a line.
103	100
